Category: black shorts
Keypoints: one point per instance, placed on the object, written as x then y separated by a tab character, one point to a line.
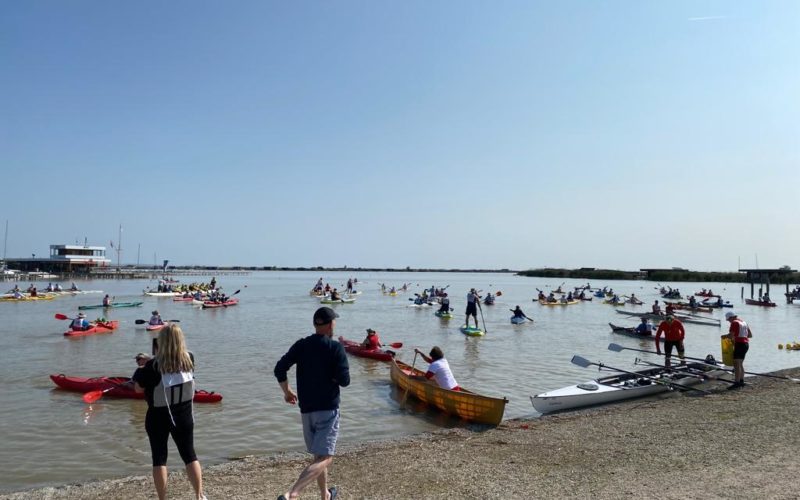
668	344
740	349
472	309
159	427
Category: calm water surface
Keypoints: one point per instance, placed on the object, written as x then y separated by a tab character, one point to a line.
52	437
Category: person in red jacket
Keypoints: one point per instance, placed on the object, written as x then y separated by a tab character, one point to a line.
740	334
673	332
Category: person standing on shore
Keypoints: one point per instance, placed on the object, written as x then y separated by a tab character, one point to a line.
673	337
167	381
322	369
472	306
740	335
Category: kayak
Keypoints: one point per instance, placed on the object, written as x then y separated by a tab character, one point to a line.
464	404
83	384
338	301
357	349
212	305
612	303
155	328
161	294
182	299
559	303
762	303
682	317
472	332
619	387
443	315
26	298
518	320
113	304
106	327
631	332
688	307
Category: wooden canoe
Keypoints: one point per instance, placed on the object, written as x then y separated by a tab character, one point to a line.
464	403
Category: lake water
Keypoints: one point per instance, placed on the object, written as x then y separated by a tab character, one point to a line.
51	437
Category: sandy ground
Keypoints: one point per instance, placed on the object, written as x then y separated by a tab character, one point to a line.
730	444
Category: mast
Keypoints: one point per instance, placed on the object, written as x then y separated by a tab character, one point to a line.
138	251
119	246
5	245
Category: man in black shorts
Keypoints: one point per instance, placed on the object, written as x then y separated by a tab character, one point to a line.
740	335
321	369
472	306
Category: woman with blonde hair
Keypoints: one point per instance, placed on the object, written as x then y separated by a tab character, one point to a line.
167	381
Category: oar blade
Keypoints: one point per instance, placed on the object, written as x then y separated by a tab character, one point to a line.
580	361
615	347
140	321
396	345
61	316
92	396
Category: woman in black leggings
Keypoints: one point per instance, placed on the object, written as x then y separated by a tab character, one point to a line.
167	381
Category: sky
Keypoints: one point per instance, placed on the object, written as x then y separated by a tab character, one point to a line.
447	134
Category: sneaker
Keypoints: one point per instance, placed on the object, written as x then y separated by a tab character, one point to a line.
735	385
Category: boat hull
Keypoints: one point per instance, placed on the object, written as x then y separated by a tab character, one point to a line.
463	404
84	384
357	349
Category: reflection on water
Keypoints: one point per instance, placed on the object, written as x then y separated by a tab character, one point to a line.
52	437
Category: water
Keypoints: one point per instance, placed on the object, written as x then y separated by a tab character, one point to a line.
52	437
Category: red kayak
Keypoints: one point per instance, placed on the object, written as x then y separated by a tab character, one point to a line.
228	303
182	299
154	328
106	327
761	303
357	349
83	384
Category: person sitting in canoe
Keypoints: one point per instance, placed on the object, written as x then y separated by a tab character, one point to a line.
764	298
692	302
542	296
57	288
439	369
563	299
519	314
445	307
582	296
335	295
372	341
74	287
644	328
552	298
80	323
634	299
106	301
17	294
49	288
657	308
155	319
569	297
670	309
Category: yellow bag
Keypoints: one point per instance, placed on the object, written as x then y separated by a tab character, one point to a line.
727	350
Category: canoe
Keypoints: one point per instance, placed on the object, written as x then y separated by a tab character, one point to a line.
559	303
213	305
613	388
356	349
472	332
83	384
26	298
687	307
113	305
338	301
443	315
631	332
107	327
515	320
464	404
760	303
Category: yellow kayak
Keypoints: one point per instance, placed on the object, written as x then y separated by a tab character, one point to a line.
559	303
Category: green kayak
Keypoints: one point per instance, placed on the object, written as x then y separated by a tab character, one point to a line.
472	332
113	304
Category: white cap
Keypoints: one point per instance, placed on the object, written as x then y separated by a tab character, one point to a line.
729	315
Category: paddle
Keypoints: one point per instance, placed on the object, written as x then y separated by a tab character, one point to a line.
619	348
396	345
92	396
142	321
61	316
688	371
478	300
585	363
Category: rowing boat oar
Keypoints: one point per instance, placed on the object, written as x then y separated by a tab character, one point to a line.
619	348
585	363
693	372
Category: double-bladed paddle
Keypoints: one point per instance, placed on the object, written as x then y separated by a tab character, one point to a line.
585	363
619	348
143	321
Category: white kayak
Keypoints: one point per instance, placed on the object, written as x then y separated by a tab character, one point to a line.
618	387
162	294
329	300
518	320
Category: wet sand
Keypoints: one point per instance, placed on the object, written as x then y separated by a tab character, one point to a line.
730	444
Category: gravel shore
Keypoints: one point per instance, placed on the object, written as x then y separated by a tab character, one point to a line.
730	444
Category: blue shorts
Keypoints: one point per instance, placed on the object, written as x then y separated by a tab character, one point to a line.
320	430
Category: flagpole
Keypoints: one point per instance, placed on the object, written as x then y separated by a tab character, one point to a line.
119	246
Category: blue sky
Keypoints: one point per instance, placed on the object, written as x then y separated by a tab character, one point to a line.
424	134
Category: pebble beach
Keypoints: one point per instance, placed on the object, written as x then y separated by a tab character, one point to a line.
729	444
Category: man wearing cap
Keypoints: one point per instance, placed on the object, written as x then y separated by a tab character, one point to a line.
373	341
472	306
740	334
80	323
673	337
321	370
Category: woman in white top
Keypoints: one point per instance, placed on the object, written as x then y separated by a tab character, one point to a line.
439	369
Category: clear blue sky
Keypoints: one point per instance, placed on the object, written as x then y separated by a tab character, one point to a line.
415	133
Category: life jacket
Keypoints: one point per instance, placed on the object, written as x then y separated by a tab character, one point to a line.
174	388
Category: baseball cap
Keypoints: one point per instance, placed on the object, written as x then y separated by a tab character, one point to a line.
141	355
324	315
370	330
730	314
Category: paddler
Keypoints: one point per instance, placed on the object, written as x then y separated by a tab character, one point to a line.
155	319
519	314
472	307
57	288
80	323
74	287
335	295
439	369
673	337
445	307
644	329
657	308
372	341
106	301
